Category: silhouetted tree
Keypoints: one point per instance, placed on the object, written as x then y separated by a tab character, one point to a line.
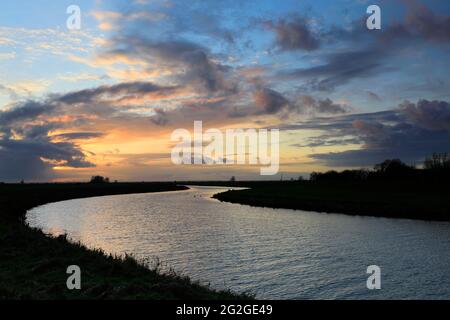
437	161
436	171
393	168
99	179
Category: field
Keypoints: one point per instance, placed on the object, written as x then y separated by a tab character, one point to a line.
395	200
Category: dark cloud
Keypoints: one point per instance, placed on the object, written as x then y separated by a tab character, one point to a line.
122	90
190	63
161	118
33	159
29	150
373	96
79	135
35	131
411	145
327	140
342	122
269	101
432	115
327	106
411	132
339	69
371	51
420	24
26	147
293	34
27	110
17	165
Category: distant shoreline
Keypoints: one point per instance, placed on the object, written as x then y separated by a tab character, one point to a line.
351	199
33	265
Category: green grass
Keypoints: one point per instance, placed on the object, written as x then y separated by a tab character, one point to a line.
396	200
33	265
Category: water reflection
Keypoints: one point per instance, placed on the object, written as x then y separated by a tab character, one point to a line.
281	254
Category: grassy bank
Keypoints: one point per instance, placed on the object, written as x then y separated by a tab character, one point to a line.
387	199
33	266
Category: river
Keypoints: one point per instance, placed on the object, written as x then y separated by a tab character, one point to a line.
273	253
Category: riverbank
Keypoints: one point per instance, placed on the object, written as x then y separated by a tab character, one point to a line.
389	199
33	265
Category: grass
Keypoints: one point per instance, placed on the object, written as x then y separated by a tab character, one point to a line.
33	265
387	199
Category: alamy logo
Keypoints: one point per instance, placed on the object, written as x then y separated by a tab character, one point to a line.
374	20
74	20
74	280
232	147
374	280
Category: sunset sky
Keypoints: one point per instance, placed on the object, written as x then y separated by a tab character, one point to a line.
105	99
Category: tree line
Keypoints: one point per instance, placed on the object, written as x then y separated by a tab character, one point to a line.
436	168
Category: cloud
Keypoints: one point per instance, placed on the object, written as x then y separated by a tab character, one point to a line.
206	19
373	96
182	62
327	106
418	25
209	24
327	140
189	63
432	115
167	55
34	158
118	92
293	34
36	136
113	20
360	54
49	41
338	69
7	55
421	23
9	91
410	132
75	77
19	164
270	101
160	118
25	88
27	150
78	135
27	110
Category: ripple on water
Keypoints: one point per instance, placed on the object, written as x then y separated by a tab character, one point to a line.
278	254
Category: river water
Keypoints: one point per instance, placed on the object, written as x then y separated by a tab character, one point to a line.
273	253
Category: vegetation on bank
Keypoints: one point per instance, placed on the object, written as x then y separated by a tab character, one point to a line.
33	265
392	189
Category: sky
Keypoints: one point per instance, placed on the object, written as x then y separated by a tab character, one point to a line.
105	99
